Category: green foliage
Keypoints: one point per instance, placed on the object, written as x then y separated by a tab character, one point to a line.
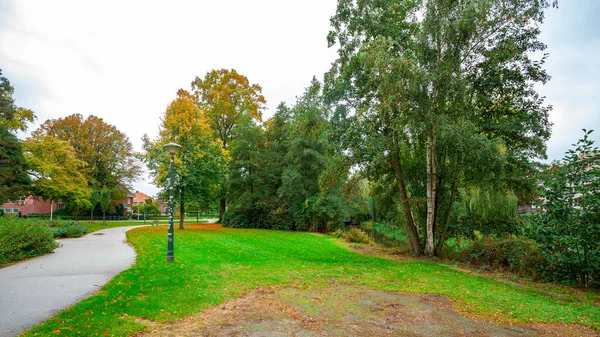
67	229
490	212
57	171
568	228
356	235
517	255
199	163
14	180
436	96
148	208
107	152
104	201
338	233
12	117
289	176
24	238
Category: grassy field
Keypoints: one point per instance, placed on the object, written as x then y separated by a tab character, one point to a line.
97	225
214	264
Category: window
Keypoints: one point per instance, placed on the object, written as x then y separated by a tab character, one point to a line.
15	210
7	210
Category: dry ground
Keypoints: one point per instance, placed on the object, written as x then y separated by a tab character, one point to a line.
345	310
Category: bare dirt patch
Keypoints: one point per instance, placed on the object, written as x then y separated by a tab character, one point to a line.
345	310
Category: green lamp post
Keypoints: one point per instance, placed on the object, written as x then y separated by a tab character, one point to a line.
171	148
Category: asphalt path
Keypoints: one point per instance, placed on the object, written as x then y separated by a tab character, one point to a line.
35	290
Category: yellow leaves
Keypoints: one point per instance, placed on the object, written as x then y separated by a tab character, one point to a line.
227	98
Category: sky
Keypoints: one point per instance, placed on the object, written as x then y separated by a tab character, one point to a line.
124	60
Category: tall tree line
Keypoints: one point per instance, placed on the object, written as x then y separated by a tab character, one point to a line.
440	96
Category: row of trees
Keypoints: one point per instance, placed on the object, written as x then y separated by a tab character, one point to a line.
433	98
83	162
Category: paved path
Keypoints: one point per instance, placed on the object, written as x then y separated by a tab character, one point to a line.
34	290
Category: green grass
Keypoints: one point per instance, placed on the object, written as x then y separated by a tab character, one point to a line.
97	225
215	265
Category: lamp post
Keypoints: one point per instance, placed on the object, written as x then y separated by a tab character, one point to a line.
171	148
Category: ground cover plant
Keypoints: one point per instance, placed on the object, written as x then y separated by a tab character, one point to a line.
215	264
21	239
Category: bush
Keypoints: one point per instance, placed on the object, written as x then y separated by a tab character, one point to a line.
67	229
357	236
59	232
568	227
338	233
23	238
518	255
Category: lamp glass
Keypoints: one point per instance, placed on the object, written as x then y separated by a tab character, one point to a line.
171	147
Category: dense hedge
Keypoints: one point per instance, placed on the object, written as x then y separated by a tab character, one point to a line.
515	254
21	238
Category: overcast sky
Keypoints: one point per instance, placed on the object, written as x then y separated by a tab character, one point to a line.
124	60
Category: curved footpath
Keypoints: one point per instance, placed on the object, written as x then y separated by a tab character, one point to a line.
35	290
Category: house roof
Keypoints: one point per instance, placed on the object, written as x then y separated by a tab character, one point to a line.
140	197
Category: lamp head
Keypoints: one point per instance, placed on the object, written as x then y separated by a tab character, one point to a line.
171	147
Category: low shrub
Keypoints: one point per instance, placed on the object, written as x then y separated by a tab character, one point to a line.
24	238
67	229
357	236
59	232
337	233
518	255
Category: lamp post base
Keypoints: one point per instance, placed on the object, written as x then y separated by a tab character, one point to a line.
170	258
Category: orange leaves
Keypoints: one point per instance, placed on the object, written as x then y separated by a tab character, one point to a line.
228	98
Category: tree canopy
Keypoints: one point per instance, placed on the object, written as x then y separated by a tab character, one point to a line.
107	152
56	170
432	87
199	164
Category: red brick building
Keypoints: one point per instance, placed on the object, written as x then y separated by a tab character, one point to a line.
30	205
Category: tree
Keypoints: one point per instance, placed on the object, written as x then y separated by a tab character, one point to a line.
288	175
413	75
568	227
199	164
14	180
107	152
94	200
104	200
147	207
229	100
57	171
12	117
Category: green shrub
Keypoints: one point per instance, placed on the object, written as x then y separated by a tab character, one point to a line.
66	229
357	236
339	233
518	255
24	238
59	232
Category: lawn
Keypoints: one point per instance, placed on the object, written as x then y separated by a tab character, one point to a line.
214	264
97	224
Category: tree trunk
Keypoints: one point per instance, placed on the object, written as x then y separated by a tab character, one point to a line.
409	222
181	210
442	239
104	218
431	191
223	204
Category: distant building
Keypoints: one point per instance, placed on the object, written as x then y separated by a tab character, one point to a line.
140	198
30	205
